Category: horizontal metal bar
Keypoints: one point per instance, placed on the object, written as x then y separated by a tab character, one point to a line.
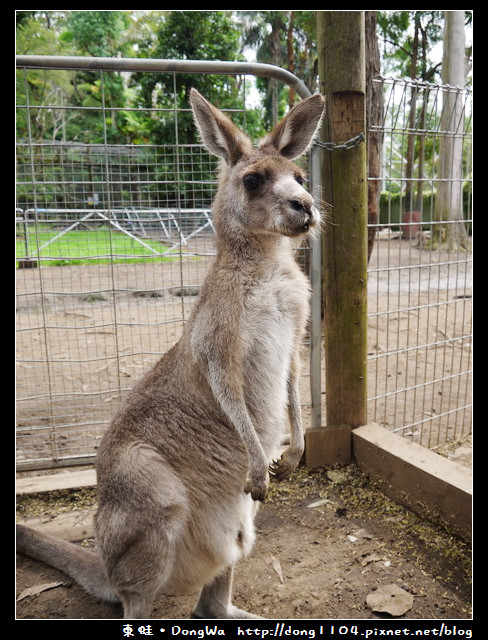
421	347
432	418
161	66
420	385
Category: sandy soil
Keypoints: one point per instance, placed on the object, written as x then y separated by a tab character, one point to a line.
101	328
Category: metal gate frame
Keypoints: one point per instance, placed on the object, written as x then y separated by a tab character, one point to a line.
220	68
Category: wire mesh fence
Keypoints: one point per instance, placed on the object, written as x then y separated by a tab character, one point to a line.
420	279
101	294
113	244
115	239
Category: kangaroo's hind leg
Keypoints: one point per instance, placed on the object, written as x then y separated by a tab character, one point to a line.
141	517
216	600
141	573
140	559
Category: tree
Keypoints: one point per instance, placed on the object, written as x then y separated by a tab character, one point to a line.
449	202
190	35
265	31
408	39
98	33
38	33
286	39
374	115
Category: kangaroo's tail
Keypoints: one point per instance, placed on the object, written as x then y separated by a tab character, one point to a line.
81	564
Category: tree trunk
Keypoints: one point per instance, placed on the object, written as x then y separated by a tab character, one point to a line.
374	117
410	158
291	56
450	229
276	57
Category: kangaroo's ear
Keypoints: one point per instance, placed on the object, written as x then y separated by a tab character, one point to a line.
219	134
296	132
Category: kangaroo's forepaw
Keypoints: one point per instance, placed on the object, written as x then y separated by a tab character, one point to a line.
257	486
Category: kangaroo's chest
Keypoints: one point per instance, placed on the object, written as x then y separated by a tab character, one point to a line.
273	326
278	306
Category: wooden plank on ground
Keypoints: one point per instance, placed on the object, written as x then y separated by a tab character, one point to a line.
433	486
55	482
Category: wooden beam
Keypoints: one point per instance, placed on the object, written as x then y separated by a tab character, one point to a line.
56	482
436	488
341	45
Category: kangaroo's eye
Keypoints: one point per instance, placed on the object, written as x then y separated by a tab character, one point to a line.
252	181
299	179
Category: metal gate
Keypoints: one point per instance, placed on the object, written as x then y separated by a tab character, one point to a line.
113	243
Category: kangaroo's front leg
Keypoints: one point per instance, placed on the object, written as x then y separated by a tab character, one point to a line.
292	455
227	390
258	477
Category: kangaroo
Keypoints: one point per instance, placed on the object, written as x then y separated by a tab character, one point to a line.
186	460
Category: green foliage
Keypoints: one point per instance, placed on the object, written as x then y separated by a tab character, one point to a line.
71	33
408	37
198	35
204	35
187	35
96	33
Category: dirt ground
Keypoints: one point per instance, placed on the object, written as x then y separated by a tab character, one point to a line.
325	540
100	327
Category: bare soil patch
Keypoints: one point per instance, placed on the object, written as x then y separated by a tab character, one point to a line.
88	333
326	539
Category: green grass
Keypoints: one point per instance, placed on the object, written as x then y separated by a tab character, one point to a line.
78	247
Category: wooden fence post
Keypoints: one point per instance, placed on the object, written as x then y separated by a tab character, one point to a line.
341	54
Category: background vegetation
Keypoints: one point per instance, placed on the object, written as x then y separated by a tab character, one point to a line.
140	107
409	44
